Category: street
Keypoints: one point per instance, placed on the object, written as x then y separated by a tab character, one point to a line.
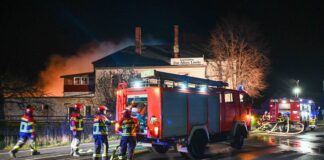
304	146
262	147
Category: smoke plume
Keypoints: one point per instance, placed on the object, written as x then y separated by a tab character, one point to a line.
49	79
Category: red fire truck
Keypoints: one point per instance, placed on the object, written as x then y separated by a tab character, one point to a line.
185	112
297	109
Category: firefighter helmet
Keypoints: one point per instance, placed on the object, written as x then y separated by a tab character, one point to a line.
102	108
78	106
30	109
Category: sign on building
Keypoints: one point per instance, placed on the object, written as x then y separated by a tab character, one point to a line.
187	61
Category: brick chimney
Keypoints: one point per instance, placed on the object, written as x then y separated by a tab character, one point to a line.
176	52
138	40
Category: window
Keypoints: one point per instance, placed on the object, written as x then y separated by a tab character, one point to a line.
77	80
228	97
241	98
87	111
70	111
68	81
84	80
246	99
81	80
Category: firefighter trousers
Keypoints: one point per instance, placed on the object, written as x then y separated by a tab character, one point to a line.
75	142
100	141
127	143
23	139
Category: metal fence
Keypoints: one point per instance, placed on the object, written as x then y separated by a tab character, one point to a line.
49	130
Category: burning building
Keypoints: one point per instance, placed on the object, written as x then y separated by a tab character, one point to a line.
192	60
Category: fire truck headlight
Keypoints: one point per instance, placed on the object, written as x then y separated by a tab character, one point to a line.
156	131
157	90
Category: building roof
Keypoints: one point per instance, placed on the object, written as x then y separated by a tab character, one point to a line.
152	55
78	74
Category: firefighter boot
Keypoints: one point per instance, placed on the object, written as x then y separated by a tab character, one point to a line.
35	153
76	153
71	152
13	153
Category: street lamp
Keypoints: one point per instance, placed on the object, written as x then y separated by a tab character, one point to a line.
296	91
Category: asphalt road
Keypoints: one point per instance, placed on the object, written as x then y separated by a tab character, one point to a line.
62	152
306	146
309	145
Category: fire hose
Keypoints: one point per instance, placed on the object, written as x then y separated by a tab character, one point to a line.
287	133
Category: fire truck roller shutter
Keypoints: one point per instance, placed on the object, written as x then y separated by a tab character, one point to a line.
174	119
198	109
213	113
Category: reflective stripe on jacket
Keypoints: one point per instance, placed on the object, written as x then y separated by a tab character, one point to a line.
76	122
129	126
27	124
100	125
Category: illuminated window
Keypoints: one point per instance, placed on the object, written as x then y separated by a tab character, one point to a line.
228	97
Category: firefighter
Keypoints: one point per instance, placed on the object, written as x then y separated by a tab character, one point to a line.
128	126
280	121
76	127
27	132
100	133
266	116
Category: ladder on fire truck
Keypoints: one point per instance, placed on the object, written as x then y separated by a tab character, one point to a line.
165	79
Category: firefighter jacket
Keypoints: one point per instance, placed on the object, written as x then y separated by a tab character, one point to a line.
27	124
280	119
100	125
76	122
128	126
266	117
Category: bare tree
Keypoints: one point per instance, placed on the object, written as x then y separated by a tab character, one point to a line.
239	55
107	83
16	87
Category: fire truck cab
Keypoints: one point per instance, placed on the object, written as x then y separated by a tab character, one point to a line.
185	112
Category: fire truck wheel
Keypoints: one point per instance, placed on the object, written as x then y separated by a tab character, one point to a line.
197	145
238	139
160	148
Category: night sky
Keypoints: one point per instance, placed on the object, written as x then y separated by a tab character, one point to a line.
31	31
